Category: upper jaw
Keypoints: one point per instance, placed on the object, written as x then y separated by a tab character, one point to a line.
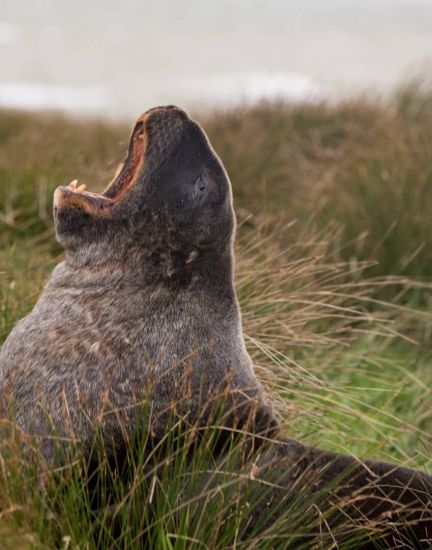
132	165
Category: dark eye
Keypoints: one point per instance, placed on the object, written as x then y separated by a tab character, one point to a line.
200	183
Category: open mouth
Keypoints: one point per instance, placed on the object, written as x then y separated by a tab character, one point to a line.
116	189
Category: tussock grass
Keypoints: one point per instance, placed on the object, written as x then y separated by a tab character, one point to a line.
181	493
362	164
333	207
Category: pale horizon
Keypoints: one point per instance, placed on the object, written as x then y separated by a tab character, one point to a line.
118	58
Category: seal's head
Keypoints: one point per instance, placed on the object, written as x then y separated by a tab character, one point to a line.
171	196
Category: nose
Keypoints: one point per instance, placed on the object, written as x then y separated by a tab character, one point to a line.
171	114
162	114
174	109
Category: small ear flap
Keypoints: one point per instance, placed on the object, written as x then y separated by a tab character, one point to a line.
191	256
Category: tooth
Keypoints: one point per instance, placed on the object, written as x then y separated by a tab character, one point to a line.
73	184
81	188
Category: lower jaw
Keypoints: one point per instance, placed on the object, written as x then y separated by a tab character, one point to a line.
89	202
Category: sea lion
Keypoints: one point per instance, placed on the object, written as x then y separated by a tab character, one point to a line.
143	309
144	299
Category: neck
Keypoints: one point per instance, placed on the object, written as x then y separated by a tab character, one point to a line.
210	271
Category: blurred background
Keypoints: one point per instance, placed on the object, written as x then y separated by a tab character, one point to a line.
119	58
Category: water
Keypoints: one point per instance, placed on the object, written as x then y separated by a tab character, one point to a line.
117	58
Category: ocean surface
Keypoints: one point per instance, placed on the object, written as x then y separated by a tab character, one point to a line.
117	58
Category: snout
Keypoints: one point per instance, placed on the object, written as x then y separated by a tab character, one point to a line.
155	135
